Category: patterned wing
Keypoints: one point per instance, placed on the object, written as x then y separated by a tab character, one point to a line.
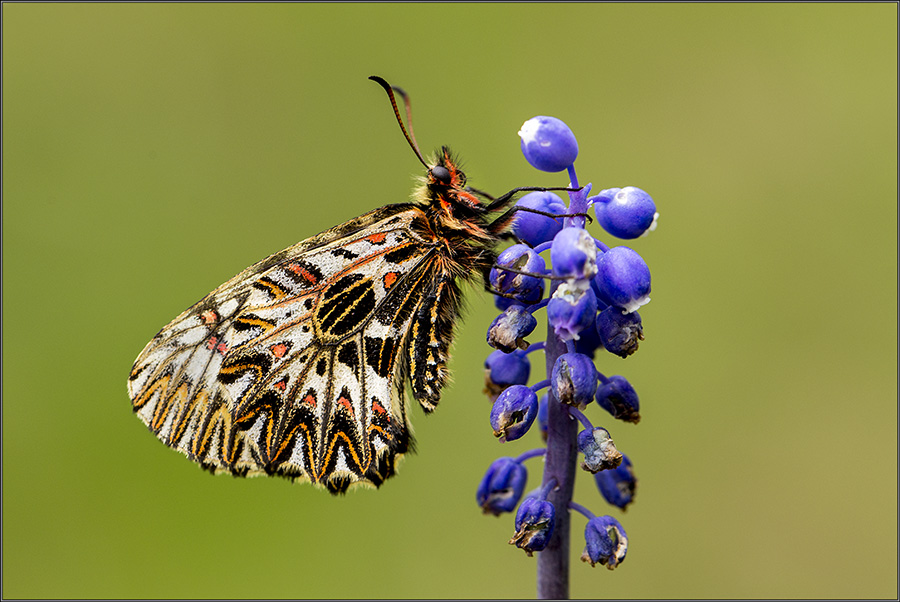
297	366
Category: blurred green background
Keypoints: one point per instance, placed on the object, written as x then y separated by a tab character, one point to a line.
152	151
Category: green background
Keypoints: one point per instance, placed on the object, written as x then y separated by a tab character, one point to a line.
152	151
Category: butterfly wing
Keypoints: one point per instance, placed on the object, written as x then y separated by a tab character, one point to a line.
297	366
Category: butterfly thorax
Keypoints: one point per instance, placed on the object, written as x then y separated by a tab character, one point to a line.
456	217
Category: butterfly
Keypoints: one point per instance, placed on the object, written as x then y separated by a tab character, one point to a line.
300	365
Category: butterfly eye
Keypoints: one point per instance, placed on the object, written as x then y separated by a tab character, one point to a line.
441	174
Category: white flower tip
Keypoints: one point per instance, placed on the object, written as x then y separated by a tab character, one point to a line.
528	130
636	303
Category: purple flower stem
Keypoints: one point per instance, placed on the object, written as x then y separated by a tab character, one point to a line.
532	453
577	201
541	385
539	346
543	246
533	308
579	508
559	466
581	418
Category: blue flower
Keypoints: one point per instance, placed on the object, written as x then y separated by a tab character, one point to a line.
619	332
617	486
599	450
514	412
573	254
605	542
534	525
618	397
623	279
548	144
542	416
625	212
502	486
574	379
595	292
533	228
508	330
520	258
505	369
572	309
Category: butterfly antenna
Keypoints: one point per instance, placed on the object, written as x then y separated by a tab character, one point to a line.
390	92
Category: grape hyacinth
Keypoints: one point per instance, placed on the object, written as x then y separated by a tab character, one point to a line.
592	294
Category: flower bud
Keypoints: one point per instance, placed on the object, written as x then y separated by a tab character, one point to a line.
534	525
533	228
508	330
617	486
548	144
520	257
505	369
543	416
588	340
513	412
619	332
502	486
619	398
605	542
574	379
599	451
625	212
573	254
623	278
572	309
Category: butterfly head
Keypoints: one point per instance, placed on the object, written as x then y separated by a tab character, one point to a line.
445	184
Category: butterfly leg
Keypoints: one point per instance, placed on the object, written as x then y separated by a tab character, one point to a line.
501	225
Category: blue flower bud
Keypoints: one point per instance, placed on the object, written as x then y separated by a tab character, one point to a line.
605	542
599	450
543	417
574	379
618	485
533	228
520	257
625	212
513	412
502	486
548	144
619	398
534	525
508	330
588	341
619	332
623	278
505	369
572	309
502	303
573	254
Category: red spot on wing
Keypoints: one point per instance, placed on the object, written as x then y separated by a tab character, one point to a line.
377	238
211	344
390	278
222	348
310	399
209	317
281	384
303	273
279	350
343	401
378	408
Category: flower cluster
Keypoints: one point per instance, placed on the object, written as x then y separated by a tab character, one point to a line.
592	295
